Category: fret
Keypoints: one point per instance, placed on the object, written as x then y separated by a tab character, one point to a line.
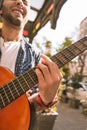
16	83
71	52
75	50
4	97
57	60
20	85
10	92
5	91
15	87
68	53
13	90
80	46
61	58
33	76
2	104
54	58
32	80
77	47
66	58
23	82
29	81
26	83
84	43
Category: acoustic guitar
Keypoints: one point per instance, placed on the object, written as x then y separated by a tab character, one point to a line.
15	111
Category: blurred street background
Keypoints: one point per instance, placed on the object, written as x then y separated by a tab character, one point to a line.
70	118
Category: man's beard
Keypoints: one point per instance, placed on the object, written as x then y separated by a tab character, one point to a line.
10	19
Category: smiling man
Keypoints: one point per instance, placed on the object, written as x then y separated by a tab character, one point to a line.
18	56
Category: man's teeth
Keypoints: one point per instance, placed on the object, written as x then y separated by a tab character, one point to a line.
17	12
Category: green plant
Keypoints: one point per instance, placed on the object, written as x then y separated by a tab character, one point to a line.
76	78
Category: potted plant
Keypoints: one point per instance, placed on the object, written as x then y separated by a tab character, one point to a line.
74	101
45	119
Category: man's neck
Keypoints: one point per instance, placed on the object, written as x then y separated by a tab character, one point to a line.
11	34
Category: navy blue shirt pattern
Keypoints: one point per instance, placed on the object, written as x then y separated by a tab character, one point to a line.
27	58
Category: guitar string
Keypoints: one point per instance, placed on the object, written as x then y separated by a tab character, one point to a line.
73	48
12	88
63	59
60	55
14	93
6	96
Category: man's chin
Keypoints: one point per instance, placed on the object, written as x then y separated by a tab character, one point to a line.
19	22
16	23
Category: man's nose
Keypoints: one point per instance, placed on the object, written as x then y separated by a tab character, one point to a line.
19	2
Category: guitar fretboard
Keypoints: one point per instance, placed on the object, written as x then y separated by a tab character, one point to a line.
17	87
70	52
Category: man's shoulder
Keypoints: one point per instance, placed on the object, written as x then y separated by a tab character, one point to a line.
26	40
27	43
31	47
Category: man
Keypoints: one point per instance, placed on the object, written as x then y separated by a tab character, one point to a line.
18	55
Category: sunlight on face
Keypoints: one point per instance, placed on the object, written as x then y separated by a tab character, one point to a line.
16	11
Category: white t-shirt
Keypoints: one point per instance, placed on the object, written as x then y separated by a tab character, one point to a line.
9	53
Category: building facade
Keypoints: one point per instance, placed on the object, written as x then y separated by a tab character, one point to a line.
83	32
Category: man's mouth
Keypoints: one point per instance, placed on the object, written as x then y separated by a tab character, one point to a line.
19	12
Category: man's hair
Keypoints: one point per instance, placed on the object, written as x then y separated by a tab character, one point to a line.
1	1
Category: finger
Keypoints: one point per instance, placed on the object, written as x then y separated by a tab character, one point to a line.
44	70
45	59
39	73
53	68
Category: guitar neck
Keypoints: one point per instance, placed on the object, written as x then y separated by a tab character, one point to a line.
70	52
22	83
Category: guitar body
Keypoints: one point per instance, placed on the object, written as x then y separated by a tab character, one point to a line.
15	116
